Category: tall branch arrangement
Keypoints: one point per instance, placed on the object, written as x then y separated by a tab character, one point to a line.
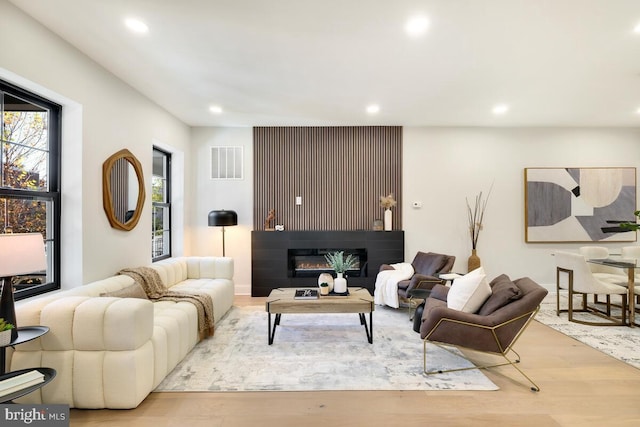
476	216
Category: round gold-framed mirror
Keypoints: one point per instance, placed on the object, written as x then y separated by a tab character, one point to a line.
122	190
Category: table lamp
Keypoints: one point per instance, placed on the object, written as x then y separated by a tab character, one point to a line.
222	218
19	254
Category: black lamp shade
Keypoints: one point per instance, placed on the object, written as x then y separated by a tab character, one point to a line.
222	218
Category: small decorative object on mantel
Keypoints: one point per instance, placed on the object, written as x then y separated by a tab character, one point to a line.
387	202
5	332
340	265
476	216
269	220
378	225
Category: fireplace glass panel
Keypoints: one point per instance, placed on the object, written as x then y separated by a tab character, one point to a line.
311	262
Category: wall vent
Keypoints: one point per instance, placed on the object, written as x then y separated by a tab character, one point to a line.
227	162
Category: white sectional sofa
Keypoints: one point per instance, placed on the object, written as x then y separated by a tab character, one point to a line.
111	352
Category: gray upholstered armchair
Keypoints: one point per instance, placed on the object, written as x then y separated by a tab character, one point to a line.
494	328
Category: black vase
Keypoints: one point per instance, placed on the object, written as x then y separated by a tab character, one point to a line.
7	306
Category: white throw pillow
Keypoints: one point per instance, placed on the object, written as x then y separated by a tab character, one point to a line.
469	292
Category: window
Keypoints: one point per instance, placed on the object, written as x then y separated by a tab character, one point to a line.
30	179
161	204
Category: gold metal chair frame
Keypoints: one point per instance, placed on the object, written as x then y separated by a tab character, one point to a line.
605	314
503	351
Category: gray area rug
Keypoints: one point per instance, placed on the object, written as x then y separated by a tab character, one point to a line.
621	342
318	352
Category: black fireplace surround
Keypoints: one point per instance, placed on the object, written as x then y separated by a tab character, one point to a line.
274	255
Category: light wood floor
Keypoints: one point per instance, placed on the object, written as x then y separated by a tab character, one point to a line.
580	387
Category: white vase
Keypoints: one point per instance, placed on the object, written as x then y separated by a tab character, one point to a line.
340	284
388	220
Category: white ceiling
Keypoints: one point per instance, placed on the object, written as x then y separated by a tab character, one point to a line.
321	62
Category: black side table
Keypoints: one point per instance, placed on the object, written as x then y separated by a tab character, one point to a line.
25	333
417	294
449	277
49	374
417	318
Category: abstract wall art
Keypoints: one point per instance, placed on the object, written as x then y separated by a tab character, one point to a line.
579	204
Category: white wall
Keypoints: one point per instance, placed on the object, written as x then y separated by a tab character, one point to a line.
443	166
102	115
236	195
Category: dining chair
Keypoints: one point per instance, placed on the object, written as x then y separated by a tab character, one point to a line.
580	281
633	253
602	271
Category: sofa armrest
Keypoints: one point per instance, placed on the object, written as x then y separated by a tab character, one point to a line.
90	323
101	348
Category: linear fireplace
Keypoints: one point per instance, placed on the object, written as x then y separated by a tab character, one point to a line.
312	262
272	268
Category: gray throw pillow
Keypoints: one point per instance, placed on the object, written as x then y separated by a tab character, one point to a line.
503	291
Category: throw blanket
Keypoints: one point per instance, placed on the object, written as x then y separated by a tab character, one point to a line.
150	281
386	292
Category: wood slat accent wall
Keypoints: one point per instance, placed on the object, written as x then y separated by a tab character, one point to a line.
340	173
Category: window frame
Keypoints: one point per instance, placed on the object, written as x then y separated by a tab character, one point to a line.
165	204
52	194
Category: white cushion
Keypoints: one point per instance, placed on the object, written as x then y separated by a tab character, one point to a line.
469	292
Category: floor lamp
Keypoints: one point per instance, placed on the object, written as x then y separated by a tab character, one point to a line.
20	254
222	218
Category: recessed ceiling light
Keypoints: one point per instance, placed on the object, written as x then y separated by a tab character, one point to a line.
373	109
636	29
215	109
500	109
136	25
416	25
638	111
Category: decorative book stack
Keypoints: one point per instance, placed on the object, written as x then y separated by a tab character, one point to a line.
306	294
19	382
